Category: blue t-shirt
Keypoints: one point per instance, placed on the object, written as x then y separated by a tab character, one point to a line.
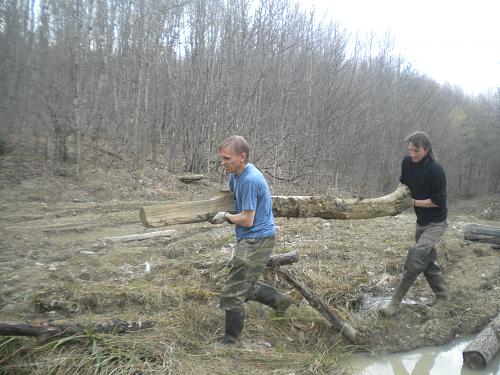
251	193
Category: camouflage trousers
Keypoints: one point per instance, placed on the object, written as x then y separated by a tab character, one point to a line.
250	258
422	255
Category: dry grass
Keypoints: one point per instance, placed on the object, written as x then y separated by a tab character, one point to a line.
181	296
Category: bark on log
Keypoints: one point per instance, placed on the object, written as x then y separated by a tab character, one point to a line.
484	347
273	262
140	236
482	233
184	212
63	329
283	259
285	206
324	309
188	178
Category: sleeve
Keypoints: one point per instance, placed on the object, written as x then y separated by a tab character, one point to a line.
402	178
249	192
437	190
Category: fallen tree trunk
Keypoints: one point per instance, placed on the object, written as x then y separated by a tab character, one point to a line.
140	236
273	262
63	329
484	347
324	309
283	259
284	206
482	233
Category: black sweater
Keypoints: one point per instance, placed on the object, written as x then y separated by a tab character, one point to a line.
426	179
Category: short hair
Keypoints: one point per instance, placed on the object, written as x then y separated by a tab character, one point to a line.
238	144
422	139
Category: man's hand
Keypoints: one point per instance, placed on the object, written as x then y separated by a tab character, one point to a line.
219	218
404	203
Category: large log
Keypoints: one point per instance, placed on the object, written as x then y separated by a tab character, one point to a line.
482	233
324	309
63	329
484	347
325	207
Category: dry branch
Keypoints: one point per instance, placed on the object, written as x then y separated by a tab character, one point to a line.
324	309
273	262
325	207
63	329
484	347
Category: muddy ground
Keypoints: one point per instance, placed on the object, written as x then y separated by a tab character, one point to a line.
55	265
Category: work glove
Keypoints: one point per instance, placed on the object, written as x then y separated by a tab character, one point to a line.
403	203
219	218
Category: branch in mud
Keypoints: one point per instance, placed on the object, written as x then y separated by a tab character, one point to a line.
66	329
321	306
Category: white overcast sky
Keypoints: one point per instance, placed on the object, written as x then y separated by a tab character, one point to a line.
455	41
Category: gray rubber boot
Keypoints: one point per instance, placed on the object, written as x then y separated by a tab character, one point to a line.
269	296
393	307
436	281
235	321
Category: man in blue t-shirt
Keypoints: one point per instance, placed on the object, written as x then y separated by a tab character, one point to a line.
426	179
255	233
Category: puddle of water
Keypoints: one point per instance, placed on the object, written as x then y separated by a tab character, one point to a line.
437	360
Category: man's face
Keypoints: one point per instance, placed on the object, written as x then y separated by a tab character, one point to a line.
231	161
417	153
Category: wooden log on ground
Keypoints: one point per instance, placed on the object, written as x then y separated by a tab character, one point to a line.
482	233
140	236
324	309
275	261
278	260
188	178
325	207
65	329
484	347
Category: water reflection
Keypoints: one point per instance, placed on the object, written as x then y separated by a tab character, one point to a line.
443	360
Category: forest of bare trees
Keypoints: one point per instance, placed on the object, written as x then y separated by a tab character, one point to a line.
164	81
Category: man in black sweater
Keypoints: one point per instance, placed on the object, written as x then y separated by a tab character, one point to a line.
427	182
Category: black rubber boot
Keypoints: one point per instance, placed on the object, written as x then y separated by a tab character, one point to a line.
269	296
235	321
393	307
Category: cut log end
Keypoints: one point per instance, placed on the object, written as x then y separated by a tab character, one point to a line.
474	360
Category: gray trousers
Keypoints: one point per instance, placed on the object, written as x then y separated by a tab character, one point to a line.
422	256
249	261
